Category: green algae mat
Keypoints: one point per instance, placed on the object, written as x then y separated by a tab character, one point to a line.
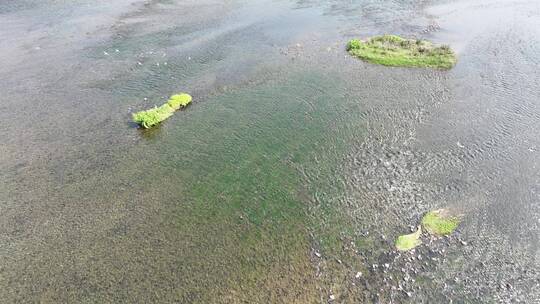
439	222
409	241
392	50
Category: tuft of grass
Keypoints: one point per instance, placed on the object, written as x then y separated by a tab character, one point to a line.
392	50
152	117
409	241
439	222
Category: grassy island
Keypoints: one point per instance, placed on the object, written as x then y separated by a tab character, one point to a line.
391	50
156	115
439	222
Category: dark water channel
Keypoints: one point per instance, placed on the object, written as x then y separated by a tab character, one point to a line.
289	177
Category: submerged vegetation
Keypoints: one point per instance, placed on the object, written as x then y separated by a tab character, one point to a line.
409	241
439	222
392	50
156	115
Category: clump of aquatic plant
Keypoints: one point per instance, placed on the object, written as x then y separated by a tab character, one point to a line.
152	117
409	241
179	101
440	222
392	50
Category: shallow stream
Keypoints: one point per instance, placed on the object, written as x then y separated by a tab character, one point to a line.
294	170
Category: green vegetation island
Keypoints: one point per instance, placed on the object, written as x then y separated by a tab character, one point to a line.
392	50
152	117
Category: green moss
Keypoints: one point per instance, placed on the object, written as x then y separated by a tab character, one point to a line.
409	241
156	115
439	222
391	50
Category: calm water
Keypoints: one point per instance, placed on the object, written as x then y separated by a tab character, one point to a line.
289	177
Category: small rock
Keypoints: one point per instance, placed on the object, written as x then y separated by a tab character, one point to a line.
332	297
317	254
358	275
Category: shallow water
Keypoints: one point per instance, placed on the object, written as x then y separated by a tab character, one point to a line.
294	169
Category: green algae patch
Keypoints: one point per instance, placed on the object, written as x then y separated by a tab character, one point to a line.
440	222
392	50
409	241
152	117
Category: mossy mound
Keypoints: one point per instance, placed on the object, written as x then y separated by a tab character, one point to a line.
392	50
440	222
409	241
156	115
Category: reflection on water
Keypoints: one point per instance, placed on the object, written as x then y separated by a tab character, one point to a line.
291	174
